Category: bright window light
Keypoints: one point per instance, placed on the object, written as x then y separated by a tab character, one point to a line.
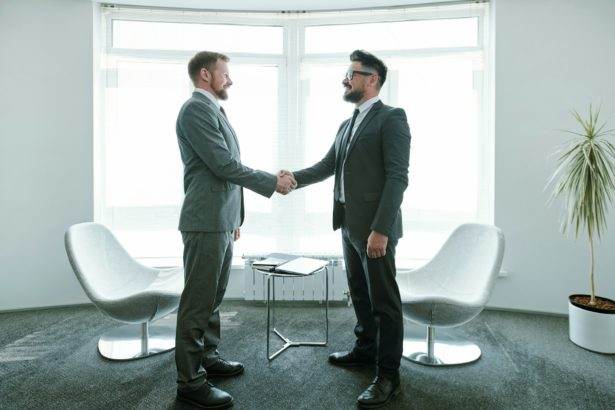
401	35
152	35
140	115
286	107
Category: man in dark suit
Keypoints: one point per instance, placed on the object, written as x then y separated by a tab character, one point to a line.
209	222
369	159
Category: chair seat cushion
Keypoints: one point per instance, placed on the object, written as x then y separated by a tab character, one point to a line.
156	300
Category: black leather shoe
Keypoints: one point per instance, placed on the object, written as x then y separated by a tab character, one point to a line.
350	359
206	397
382	390
224	368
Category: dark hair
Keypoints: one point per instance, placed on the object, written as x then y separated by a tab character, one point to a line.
203	59
370	61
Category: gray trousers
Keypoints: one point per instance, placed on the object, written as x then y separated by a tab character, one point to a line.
207	264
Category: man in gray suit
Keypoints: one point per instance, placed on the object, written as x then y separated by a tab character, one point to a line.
369	158
211	215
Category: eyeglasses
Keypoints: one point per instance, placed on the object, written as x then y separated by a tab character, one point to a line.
351	73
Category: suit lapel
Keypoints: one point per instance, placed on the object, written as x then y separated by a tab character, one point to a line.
338	154
228	124
375	108
219	114
340	139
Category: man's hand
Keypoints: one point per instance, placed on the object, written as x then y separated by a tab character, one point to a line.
286	182
377	245
284	172
236	234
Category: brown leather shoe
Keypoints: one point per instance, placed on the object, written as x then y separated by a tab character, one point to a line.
382	390
350	359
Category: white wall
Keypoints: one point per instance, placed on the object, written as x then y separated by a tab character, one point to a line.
45	146
551	56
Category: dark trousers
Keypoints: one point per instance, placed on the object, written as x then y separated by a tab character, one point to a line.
377	303
207	264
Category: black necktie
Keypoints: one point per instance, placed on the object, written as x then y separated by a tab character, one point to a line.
341	157
349	133
223	112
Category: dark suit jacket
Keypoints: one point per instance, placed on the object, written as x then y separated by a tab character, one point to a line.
375	173
213	173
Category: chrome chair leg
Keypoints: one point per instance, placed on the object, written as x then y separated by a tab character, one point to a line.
131	342
430	352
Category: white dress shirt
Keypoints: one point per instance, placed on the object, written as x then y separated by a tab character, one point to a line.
363	110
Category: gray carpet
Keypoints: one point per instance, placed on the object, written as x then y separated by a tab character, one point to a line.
48	359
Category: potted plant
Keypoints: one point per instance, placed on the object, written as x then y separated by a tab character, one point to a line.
585	180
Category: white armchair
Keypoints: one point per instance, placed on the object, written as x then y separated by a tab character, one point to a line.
451	290
125	290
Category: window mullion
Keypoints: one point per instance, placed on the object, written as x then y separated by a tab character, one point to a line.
289	127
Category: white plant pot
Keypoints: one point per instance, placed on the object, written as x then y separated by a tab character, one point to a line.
592	330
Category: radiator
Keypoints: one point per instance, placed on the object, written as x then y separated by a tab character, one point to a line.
301	288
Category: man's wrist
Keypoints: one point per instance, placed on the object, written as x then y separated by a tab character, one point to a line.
379	233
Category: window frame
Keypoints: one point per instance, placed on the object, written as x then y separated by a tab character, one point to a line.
291	95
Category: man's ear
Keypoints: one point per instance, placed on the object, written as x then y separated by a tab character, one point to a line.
205	75
375	80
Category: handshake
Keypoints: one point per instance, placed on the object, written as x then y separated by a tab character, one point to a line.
286	182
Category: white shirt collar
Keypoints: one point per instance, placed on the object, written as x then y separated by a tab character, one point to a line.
368	104
209	95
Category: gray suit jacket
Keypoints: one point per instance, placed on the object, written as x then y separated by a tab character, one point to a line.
213	173
375	173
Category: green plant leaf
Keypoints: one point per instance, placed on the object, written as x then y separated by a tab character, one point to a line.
585	176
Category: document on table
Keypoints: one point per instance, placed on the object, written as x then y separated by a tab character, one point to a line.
301	266
272	261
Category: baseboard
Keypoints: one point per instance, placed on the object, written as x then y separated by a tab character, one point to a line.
530	312
46	307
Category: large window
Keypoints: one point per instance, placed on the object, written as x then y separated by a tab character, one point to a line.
286	107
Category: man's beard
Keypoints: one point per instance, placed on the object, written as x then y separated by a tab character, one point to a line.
221	93
354	96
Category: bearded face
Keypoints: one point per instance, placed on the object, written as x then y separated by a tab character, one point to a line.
354	83
353	96
220	80
222	94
